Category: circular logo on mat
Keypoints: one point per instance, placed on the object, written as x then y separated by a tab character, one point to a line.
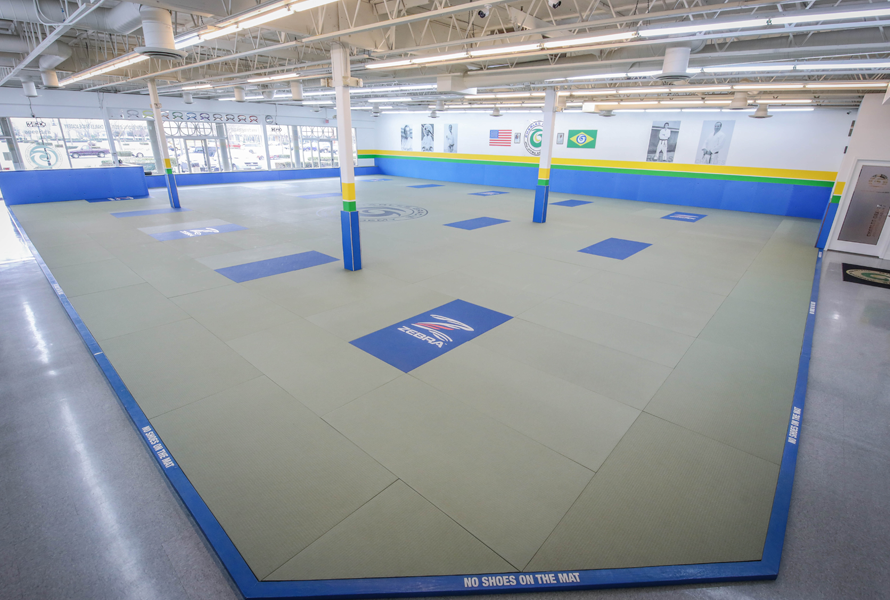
869	275
534	137
372	213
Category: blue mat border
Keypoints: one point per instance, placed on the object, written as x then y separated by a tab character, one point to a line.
765	569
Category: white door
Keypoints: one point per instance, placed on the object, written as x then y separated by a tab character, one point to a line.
862	226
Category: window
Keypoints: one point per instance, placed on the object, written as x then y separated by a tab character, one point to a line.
281	148
247	151
87	143
134	144
41	143
318	147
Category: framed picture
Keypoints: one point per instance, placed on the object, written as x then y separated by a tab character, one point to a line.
560	138
517	137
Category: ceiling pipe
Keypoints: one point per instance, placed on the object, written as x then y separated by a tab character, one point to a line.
157	29
123	18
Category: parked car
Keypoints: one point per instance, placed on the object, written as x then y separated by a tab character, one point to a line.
138	149
89	149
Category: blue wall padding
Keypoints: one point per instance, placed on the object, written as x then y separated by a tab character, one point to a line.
490	175
32	187
186	179
827	222
785	199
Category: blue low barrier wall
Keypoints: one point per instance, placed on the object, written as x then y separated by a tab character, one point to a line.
31	187
791	197
186	179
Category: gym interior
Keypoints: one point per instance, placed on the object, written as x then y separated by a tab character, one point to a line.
348	299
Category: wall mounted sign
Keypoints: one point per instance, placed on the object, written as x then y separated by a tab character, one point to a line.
582	138
560	138
187	115
534	137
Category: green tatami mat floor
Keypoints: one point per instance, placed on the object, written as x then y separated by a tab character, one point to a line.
630	413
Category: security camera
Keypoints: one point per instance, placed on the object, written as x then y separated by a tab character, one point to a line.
555	3
484	11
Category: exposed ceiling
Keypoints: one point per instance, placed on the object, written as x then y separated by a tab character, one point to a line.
412	53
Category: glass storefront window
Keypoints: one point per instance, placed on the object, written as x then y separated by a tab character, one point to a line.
318	147
281	148
41	143
134	145
87	143
246	149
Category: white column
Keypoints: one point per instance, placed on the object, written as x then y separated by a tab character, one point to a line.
162	140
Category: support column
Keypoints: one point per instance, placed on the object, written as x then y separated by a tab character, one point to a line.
352	252
542	191
162	141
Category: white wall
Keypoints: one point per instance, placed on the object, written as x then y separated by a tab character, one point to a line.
93	105
794	140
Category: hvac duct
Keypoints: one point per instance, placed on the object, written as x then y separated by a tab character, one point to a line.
54	55
239	94
762	112
676	63
157	28
29	89
187	98
739	101
123	18
296	90
50	78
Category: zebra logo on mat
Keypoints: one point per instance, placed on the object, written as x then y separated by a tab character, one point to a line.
445	324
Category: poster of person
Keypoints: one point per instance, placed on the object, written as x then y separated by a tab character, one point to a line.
663	141
407	137
427	137
451	137
713	147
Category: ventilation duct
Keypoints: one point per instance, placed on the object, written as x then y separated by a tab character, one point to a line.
607	113
268	94
676	64
762	112
433	114
187	98
239	94
157	28
296	90
50	78
739	101
123	18
440	105
52	56
496	112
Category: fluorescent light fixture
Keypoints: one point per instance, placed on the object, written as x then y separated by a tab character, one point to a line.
383	90
598	76
203	86
265	18
318	101
643	90
438	58
504	50
821	65
383	65
596	39
643	74
590	92
675	102
837	16
768	86
708	88
795	109
331	93
663	110
792	101
718	101
215	33
852	85
520	95
628	110
404	99
700	110
232	99
746	68
189	40
706	26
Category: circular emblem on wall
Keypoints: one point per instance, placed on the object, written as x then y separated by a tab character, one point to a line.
534	137
878	181
43	156
870	276
374	213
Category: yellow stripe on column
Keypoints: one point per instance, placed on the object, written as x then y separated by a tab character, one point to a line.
543	173
838	188
348	191
167	163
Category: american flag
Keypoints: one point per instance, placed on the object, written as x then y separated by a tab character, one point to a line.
500	137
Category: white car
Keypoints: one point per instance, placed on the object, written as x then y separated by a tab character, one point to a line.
138	149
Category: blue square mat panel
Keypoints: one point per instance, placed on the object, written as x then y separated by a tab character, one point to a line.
166	236
427	185
615	248
571	203
684	216
275	266
476	223
489	193
422	338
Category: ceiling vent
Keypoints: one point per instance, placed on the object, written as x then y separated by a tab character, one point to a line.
606	113
157	28
762	112
676	65
739	101
496	112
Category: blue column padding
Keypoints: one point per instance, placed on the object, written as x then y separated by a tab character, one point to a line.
542	193
352	247
827	222
172	191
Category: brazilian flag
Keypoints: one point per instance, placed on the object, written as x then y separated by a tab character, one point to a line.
582	138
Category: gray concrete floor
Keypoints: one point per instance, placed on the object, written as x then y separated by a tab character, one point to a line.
87	514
